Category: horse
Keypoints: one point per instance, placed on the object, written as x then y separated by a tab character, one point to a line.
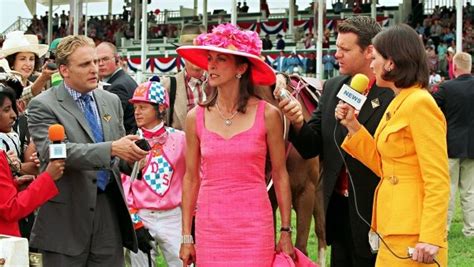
306	187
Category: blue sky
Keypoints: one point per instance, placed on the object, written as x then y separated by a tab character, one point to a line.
10	10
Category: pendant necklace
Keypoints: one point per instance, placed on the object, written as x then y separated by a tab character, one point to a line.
227	121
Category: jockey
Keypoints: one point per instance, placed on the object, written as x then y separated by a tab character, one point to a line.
154	197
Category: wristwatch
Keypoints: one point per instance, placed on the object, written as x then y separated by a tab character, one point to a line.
286	229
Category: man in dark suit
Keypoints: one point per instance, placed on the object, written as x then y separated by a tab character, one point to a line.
456	98
88	223
346	232
120	82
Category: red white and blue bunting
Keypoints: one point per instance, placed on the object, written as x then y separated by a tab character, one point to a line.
273	27
248	26
156	64
306	25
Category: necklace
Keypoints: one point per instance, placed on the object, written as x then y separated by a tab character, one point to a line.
227	121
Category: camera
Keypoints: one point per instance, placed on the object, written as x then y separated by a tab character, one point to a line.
52	66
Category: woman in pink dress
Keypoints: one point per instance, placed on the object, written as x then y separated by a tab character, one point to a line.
227	140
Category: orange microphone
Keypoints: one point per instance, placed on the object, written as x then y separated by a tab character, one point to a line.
57	148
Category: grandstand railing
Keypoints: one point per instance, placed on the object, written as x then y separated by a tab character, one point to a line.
21	24
429	5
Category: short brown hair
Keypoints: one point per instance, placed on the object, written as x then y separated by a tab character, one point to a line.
402	45
364	27
68	45
463	61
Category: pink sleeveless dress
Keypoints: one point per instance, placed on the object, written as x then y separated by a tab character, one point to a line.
234	222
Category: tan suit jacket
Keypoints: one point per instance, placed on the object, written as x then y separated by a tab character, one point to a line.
181	101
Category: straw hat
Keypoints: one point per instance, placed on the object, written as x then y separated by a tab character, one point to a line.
4	65
228	39
17	41
188	33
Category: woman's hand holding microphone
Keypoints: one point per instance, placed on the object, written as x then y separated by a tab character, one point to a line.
55	168
346	114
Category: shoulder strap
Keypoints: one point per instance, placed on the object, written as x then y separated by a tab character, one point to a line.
172	99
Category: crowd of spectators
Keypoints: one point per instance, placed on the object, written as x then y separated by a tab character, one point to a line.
437	31
100	28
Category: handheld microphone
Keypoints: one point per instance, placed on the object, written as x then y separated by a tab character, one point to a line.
57	148
353	94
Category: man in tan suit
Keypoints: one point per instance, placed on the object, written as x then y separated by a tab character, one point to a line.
189	85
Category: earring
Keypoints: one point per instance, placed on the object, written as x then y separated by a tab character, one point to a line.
388	69
238	75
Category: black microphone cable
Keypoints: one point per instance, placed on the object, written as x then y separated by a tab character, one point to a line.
357	207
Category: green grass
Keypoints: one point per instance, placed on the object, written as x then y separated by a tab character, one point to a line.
461	249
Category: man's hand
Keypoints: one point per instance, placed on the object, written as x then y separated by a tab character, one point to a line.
293	111
144	239
126	149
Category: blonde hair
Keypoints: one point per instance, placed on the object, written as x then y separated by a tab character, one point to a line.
463	61
68	45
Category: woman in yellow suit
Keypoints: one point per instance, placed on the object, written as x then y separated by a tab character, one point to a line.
408	152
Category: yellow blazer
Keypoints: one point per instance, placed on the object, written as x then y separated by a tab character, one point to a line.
409	153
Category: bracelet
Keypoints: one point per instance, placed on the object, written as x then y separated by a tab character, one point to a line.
187	239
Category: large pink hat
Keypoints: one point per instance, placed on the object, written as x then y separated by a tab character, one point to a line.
150	92
228	39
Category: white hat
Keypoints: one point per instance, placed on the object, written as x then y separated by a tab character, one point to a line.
18	41
4	65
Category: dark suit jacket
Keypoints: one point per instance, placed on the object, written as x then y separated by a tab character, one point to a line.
65	223
456	100
124	86
316	137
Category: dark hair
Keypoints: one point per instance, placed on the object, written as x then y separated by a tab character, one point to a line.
246	87
161	115
364	27
7	92
11	61
10	80
402	45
